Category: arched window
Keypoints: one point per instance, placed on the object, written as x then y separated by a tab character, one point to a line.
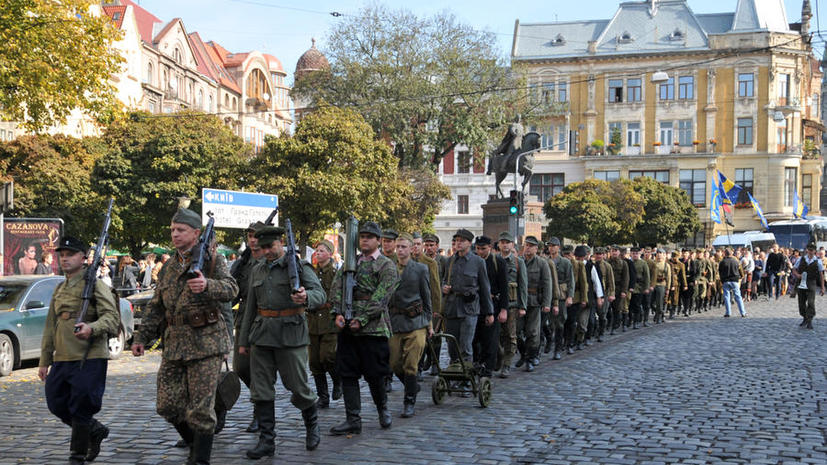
227	100
149	78
176	55
235	103
200	101
258	87
209	104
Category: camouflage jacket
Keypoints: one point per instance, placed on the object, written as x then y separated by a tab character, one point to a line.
174	299
376	280
319	320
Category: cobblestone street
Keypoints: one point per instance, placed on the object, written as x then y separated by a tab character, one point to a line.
699	390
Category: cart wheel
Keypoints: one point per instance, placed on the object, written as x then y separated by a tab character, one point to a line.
485	392
438	390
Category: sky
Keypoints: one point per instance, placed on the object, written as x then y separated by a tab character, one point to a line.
285	28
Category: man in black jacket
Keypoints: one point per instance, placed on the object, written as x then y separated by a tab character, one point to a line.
487	335
774	265
731	277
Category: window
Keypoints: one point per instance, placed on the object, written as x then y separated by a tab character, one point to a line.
177	56
783	86
608	175
667	90
693	182
544	186
148	78
632	134
744	131
685	132
615	90
150	106
462	204
744	178
814	107
790	178
561	137
807	189
686	87
463	162
746	84
614	128
200	101
657	175
781	135
209	103
41	292
562	92
633	90
666	133
548	92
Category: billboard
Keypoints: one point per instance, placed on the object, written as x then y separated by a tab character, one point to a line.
26	240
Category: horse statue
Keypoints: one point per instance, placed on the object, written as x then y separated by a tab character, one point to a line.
503	165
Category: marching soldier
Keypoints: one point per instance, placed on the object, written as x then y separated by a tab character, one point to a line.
487	335
410	313
195	340
517	298
362	346
586	284
641	288
322	329
74	388
662	280
581	297
678	283
541	299
701	279
431	250
607	280
712	277
433	283
648	257
620	272
430	245
565	280
626	254
389	243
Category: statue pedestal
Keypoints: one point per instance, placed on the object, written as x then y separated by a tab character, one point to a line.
496	219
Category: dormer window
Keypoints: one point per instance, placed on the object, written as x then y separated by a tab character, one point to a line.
559	40
625	38
677	34
116	16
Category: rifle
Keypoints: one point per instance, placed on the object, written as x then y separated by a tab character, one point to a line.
271	217
349	267
292	258
202	252
90	276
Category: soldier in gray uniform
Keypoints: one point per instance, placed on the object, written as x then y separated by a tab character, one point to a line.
517	298
541	299
565	280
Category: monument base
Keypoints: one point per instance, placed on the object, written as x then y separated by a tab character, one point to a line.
496	219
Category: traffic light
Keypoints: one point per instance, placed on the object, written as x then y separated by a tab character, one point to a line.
513	202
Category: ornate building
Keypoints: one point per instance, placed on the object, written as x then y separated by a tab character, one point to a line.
311	60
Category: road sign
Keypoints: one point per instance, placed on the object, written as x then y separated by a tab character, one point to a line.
234	209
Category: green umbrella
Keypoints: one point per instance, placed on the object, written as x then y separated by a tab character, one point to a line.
226	251
115	253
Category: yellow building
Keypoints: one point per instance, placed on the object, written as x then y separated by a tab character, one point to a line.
676	96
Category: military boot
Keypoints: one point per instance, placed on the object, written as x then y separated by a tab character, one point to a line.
79	445
220	419
411	388
601	326
266	414
311	426
186	434
353	410
321	390
97	433
337	386
253	426
202	449
380	399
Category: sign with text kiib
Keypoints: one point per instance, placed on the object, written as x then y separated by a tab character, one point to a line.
235	209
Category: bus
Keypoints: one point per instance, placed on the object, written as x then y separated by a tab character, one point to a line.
799	232
749	239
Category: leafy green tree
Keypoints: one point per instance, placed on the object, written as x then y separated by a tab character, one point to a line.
156	159
670	215
333	167
596	212
426	84
56	57
51	177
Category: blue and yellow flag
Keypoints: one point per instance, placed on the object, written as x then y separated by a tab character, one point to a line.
729	190
758	211
715	203
799	209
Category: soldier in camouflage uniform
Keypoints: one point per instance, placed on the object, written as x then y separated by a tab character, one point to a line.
323	331
187	312
74	389
362	345
274	333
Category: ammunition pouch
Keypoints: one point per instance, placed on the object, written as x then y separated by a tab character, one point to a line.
196	316
512	291
411	311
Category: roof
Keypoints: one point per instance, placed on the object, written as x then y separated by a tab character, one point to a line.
312	60
752	15
115	12
205	66
214	54
716	23
146	21
671	27
273	63
235	59
534	40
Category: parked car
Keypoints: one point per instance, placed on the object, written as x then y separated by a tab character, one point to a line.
24	303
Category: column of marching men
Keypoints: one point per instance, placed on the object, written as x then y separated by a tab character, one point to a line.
501	302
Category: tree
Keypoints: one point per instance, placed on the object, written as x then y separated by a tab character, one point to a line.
670	215
596	212
52	180
423	84
156	159
56	57
334	167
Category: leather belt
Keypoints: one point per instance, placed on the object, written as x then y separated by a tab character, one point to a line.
68	315
177	320
532	290
323	307
266	312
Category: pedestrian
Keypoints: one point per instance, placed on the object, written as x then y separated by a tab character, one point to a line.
74	387
517	297
126	279
730	271
775	271
362	348
810	270
322	328
487	334
410	314
45	265
274	333
146	276
186	311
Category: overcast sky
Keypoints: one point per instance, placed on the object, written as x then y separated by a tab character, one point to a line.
284	28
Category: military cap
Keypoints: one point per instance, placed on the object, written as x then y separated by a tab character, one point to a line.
506	236
661	250
187	217
71	243
255	226
483	240
616	247
268	234
581	251
406	236
328	245
430	238
390	234
553	241
675	254
699	250
416	235
600	250
531	240
568	248
634	249
465	234
370	227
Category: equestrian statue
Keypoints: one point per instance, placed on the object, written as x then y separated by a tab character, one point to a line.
503	158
